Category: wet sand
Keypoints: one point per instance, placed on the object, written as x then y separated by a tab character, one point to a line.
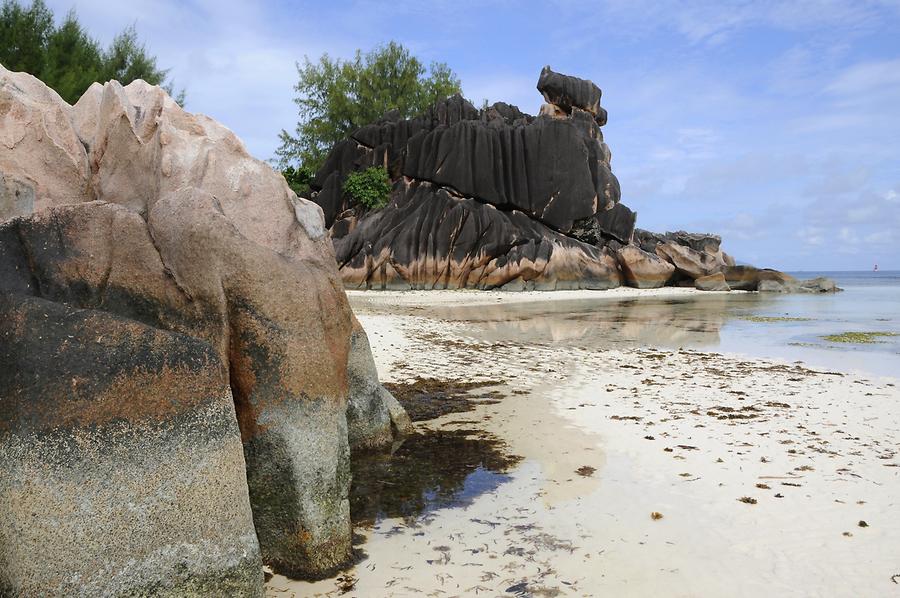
769	476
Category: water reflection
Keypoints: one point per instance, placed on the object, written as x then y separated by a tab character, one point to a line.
793	326
674	322
428	471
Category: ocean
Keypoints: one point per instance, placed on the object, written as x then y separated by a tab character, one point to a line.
870	302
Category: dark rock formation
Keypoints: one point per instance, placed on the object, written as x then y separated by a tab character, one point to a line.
615	223
181	377
428	237
496	198
568	92
482	198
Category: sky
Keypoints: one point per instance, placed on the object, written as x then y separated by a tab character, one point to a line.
775	124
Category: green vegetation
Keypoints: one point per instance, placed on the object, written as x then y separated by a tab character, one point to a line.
370	187
336	97
298	179
66	58
858	337
773	319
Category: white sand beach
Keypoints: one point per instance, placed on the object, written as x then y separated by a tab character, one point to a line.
769	476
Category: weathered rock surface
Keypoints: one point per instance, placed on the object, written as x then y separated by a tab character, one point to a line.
374	417
643	270
179	283
482	198
615	223
430	238
44	162
496	198
700	242
568	92
539	168
817	285
791	285
688	262
123	471
712	282
749	278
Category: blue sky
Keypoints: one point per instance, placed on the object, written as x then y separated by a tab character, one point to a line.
774	124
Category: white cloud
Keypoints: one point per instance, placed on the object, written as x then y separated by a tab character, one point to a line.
882	237
713	21
866	78
811	235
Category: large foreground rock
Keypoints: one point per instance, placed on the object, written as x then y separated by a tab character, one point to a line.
123	471
183	283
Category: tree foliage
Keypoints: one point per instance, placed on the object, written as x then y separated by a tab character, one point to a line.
66	58
298	179
337	96
370	187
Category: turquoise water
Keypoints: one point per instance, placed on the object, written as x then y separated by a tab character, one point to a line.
870	302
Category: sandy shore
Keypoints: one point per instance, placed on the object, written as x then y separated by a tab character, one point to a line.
770	477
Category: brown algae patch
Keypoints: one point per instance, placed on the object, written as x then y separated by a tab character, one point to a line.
772	319
430	398
865	338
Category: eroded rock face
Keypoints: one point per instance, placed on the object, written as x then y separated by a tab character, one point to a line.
712	282
429	238
496	198
173	237
688	262
482	198
615	223
643	270
571	92
44	162
374	417
123	465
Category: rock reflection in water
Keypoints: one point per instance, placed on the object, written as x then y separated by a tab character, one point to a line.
659	322
428	471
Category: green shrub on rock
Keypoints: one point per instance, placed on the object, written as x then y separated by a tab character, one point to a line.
370	187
